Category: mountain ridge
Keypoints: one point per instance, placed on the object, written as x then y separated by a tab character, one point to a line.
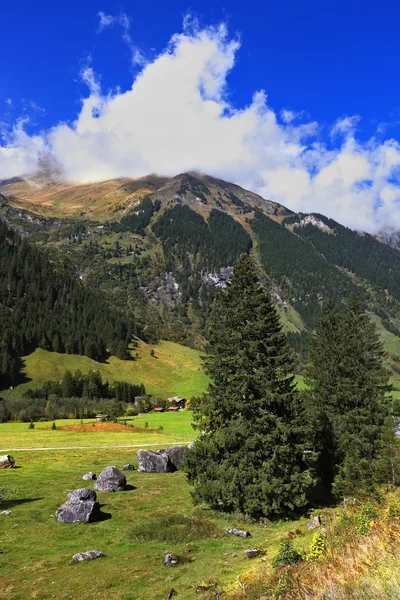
159	248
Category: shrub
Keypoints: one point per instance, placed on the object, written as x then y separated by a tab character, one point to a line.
318	546
393	506
5	493
54	427
365	517
287	555
31	425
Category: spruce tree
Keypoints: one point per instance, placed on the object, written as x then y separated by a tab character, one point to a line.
249	455
349	386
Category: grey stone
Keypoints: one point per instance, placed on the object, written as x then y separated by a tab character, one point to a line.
6	461
82	494
88	555
110	479
170	560
89	476
5	512
128	468
167	460
253	552
74	511
314	523
151	461
239	532
176	454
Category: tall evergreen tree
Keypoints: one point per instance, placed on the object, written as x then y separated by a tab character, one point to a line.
249	455
349	386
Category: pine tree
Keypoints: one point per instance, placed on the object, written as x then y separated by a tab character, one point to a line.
387	467
349	386
249	455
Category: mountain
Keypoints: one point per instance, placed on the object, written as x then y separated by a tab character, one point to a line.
159	249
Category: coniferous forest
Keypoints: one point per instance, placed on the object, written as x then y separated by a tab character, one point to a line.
44	306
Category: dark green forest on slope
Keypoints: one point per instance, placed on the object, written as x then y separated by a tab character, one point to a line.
211	244
361	254
41	306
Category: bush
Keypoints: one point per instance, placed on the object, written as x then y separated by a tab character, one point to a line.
31	425
365	517
5	493
287	555
54	427
318	546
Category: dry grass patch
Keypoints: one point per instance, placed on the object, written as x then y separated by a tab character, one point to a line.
97	427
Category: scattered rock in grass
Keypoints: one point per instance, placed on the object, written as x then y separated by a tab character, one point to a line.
314	523
170	560
5	512
151	461
161	461
6	461
83	494
89	476
253	552
79	510
88	555
80	506
239	532
110	479
128	468
176	454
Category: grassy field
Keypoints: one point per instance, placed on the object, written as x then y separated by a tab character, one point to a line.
176	427
155	515
175	370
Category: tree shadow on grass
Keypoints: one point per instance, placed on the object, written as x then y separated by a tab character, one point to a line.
7	504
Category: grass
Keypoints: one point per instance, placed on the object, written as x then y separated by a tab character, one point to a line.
155	515
176	427
174	371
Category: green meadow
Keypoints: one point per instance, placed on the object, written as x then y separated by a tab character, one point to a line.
156	514
174	370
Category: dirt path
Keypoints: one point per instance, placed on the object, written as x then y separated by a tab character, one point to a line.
90	447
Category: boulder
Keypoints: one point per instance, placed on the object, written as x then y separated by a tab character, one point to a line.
5	512
83	494
6	461
154	461
89	476
253	552
88	555
176	454
110	479
167	460
314	523
74	511
170	560
239	532
128	468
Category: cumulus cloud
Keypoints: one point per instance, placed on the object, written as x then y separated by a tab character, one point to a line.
177	116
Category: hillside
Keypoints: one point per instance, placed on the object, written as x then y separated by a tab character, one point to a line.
174	370
160	249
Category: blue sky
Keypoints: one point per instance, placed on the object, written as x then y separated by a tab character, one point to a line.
68	72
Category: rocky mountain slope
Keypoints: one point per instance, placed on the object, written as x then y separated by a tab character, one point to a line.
160	248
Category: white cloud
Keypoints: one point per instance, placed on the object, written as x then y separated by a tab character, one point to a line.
8	101
177	116
137	57
288	116
345	125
